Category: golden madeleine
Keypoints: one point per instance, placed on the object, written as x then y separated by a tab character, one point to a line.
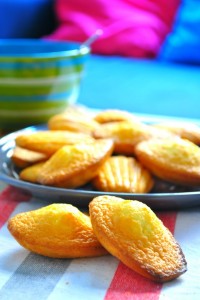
185	130
57	230
49	142
31	173
132	232
114	115
123	174
125	135
75	165
174	160
73	121
22	157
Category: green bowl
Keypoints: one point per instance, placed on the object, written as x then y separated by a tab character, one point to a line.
38	79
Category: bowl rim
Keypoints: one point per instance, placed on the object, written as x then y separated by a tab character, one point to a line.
80	50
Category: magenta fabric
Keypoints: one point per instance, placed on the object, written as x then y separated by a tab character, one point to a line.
131	28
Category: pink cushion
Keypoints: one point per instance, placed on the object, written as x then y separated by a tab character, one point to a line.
131	27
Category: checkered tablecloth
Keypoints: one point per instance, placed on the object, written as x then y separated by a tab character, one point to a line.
24	275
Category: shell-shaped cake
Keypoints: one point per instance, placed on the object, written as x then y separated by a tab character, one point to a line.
123	174
75	165
132	232
174	160
57	230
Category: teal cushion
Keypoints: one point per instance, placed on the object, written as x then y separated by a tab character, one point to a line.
183	43
142	86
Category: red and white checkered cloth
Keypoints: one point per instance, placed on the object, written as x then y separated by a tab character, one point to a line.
24	275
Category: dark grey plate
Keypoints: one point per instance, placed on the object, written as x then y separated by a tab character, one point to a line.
164	196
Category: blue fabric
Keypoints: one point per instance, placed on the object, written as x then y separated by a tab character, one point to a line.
183	43
141	86
26	18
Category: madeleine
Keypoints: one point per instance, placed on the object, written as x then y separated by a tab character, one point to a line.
22	157
48	142
132	232
123	174
127	134
185	130
73	121
75	165
114	115
174	160
57	230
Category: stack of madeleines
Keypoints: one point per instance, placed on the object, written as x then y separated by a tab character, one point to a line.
115	152
112	150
